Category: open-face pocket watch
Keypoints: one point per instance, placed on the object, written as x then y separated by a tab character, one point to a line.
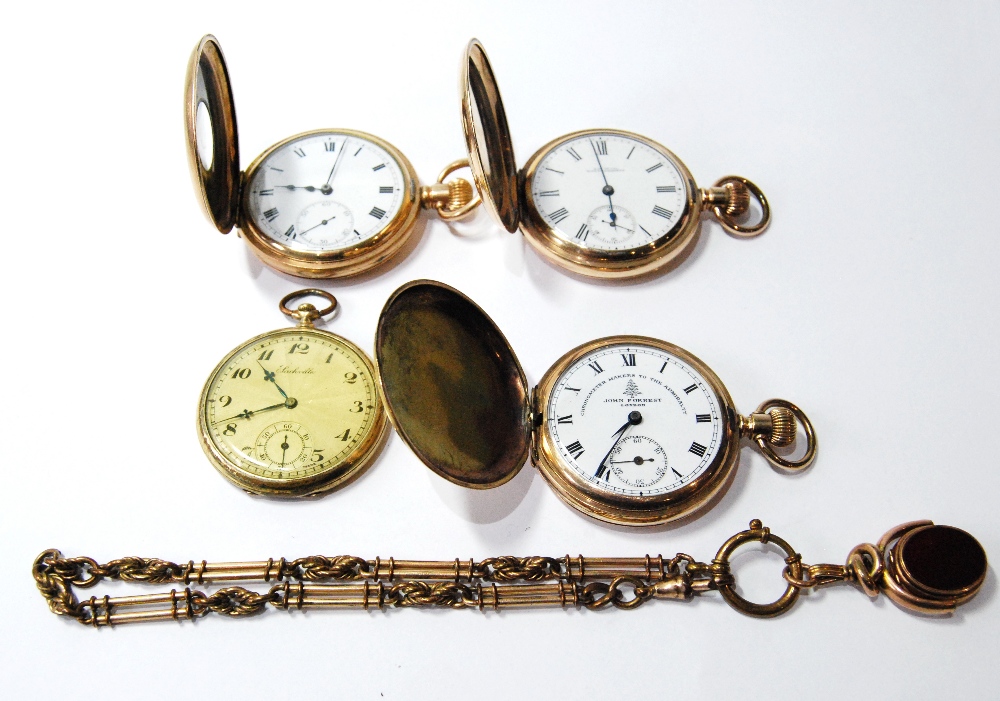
601	202
322	204
627	429
293	412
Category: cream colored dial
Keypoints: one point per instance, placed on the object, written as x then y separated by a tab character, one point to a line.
291	410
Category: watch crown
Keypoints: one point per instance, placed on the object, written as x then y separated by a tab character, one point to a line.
778	426
737	199
460	193
783	427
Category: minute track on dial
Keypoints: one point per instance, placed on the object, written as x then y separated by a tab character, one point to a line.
623	172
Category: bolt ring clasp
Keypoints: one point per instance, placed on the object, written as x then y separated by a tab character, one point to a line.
729	223
449	214
307	313
758	533
768	450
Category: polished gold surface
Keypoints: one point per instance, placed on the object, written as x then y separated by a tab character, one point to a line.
784	419
735	202
316	431
346	581
219	183
914	594
359	258
207	87
632	510
452	385
507	192
458	397
487	137
453	199
630	262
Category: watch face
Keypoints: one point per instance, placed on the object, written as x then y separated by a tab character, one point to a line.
633	419
290	407
609	191
325	191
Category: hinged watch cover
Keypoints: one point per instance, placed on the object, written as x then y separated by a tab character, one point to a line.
207	90
487	137
453	387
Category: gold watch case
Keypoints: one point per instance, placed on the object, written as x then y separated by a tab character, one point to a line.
508	194
225	197
295	411
457	395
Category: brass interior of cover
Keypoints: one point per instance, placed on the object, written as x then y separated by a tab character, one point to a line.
453	387
487	138
208	84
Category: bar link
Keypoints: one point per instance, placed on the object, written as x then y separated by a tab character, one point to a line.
499	582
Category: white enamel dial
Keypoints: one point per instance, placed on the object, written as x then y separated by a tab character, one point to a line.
634	419
609	192
325	191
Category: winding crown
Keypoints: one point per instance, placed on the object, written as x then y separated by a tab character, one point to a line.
737	199
783	427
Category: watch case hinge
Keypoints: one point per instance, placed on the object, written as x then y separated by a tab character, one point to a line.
535	420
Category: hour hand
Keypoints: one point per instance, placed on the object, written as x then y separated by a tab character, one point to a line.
325	188
269	376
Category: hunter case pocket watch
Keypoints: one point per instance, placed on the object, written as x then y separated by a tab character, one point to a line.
602	202
627	429
293	412
322	204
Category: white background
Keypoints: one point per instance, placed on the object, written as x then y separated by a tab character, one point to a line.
871	302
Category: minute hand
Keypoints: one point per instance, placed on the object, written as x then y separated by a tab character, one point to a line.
607	189
248	413
633	418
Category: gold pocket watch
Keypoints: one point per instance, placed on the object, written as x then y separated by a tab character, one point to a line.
293	412
325	203
627	429
601	202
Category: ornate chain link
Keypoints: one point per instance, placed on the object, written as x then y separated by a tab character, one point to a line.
495	583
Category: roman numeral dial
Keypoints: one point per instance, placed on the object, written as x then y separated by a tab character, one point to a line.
608	191
324	191
632	419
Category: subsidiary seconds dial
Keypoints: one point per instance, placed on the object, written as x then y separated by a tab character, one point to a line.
325	191
634	420
609	191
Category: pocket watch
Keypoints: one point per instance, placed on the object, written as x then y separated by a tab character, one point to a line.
601	202
325	203
628	429
292	412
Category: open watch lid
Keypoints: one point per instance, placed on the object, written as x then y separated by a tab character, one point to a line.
487	137
453	387
210	122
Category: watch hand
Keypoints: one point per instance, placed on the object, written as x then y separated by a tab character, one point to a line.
636	461
617	225
324	188
290	403
607	189
269	376
329	178
633	418
322	223
284	447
